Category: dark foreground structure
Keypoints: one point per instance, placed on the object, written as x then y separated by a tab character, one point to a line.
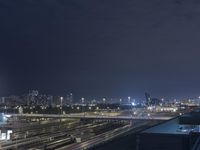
124	142
181	133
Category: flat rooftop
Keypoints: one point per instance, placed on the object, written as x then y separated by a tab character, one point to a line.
168	127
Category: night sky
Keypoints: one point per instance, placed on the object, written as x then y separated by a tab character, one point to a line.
100	48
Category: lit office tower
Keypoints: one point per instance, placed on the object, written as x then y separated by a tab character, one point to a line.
148	99
69	98
50	100
2	100
32	97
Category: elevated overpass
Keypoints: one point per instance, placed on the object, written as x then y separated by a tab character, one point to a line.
78	116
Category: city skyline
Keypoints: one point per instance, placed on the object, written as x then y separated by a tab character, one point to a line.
99	75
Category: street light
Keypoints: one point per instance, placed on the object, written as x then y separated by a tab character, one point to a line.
104	100
83	100
61	104
133	104
120	100
129	99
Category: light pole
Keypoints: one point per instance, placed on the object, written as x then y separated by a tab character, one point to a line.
120	101
61	104
82	101
129	100
104	100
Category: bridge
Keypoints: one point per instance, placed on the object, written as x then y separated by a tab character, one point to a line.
101	117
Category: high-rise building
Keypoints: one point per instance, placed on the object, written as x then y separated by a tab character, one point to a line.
2	100
32	100
148	98
69	99
151	101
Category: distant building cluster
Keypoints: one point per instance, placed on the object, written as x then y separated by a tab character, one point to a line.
34	98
